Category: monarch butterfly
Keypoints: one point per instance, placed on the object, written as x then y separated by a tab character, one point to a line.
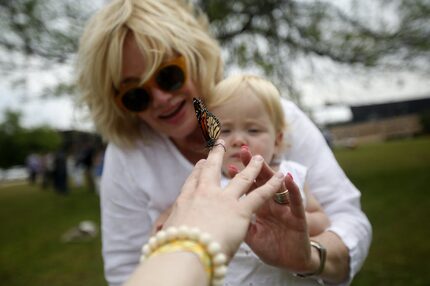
208	123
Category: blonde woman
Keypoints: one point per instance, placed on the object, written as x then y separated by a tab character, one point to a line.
253	120
140	63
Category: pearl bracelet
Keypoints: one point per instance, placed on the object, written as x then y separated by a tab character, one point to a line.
193	240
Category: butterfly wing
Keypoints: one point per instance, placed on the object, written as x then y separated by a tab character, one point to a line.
209	124
198	108
213	129
201	114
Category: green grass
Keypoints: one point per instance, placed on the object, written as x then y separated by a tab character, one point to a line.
31	251
394	180
392	176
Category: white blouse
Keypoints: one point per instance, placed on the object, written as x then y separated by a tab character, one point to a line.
138	184
246	268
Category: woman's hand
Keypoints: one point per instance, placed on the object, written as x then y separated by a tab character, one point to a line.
279	235
223	213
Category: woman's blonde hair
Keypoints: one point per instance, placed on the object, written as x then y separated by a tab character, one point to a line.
263	89
161	28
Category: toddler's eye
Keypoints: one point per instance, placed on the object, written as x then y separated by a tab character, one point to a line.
253	130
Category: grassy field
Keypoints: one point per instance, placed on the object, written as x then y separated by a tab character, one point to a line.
32	224
393	178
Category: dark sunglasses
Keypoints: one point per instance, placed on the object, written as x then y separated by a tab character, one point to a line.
170	76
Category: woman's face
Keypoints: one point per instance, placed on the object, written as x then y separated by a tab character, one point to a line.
171	113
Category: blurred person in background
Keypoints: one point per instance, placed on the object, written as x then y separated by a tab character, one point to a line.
98	167
60	173
86	161
33	167
47	169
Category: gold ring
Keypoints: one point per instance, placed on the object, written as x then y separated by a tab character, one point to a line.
281	198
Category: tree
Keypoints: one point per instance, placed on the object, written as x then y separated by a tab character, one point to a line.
276	34
40	35
16	142
272	35
46	29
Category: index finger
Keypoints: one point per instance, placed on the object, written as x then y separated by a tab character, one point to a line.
211	172
191	182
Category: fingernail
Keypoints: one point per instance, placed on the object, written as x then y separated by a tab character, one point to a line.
233	168
244	147
279	175
291	176
258	158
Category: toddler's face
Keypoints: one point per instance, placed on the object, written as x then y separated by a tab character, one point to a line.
245	122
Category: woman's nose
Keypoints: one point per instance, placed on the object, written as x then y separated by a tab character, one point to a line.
160	97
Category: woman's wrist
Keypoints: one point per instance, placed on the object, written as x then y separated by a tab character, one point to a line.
189	240
317	261
336	269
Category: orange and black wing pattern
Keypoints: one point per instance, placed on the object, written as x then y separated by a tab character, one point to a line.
209	124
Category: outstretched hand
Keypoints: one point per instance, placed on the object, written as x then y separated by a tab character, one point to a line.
279	235
224	213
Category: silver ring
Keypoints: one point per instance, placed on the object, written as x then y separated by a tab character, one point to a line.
281	198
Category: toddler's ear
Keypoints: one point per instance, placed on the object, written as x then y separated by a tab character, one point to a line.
279	142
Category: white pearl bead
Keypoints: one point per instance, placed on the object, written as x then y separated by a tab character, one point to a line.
194	233
205	238
214	248
220	271
172	233
161	236
219	259
183	231
146	249
152	243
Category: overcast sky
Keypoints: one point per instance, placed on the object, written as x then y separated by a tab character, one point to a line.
330	84
341	90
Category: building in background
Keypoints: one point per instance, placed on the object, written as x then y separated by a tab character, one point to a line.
382	121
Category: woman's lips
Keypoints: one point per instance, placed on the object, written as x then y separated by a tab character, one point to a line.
172	113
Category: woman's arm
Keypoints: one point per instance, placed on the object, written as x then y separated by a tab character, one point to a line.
333	190
336	267
316	218
175	268
122	209
223	213
132	197
280	238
